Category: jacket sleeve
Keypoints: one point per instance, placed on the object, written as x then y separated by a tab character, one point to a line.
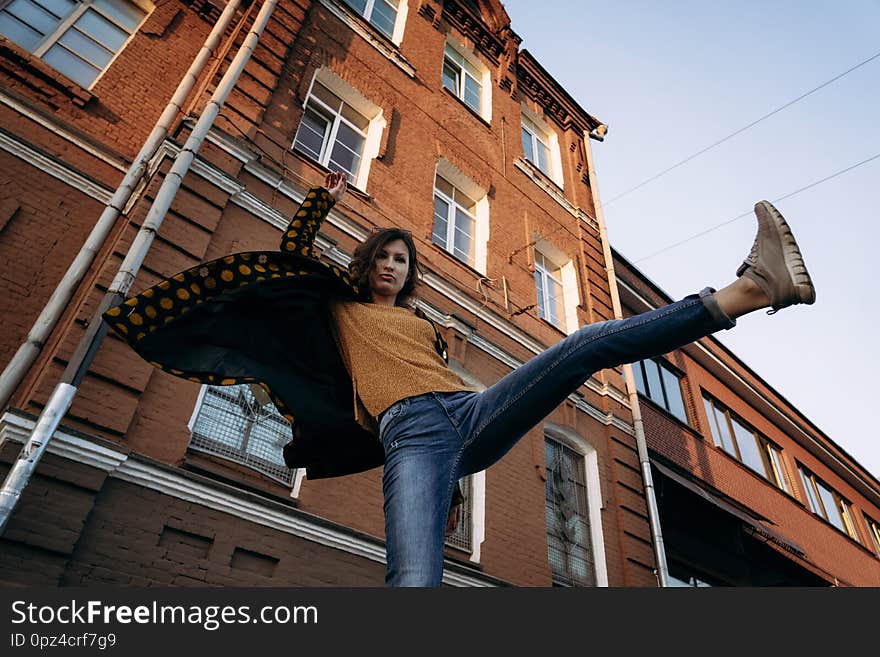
299	237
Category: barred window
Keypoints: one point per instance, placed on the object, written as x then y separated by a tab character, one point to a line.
463	536
568	524
382	14
232	424
743	443
828	503
79	38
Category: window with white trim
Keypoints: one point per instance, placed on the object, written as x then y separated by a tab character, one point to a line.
461	216
231	423
468	79
828	503
658	382
556	287
568	522
548	283
78	38
743	443
382	14
339	128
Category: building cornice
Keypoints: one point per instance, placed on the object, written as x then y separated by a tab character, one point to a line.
168	480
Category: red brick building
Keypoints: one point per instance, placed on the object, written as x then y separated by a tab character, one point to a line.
447	128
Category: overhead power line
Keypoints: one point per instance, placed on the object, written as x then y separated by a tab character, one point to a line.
734	134
749	212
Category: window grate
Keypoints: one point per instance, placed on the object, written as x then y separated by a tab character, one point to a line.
232	424
569	548
462	538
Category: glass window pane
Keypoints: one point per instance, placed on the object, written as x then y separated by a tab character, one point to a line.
539	287
34	16
472	91
655	389
778	467
70	65
343	158
383	17
640	378
61	8
465	201
351	139
444	186
713	421
527	145
450	77
86	48
101	30
441	222
360	5
555	299
127	14
813	502
311	134
675	402
543	158
360	122
19	33
322	93
831	510
748	447
463	233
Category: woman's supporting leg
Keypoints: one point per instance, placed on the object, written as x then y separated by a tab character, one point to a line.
422	449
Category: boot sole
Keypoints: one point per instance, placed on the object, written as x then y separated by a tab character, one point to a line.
794	260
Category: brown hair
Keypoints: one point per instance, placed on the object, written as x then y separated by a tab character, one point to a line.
364	259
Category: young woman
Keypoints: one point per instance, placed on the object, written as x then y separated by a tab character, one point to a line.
379	369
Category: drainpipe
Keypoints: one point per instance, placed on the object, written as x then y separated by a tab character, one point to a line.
62	397
638	426
27	353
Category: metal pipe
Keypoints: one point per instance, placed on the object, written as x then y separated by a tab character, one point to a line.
28	352
638	425
62	397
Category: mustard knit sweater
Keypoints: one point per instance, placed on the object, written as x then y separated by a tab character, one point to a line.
389	353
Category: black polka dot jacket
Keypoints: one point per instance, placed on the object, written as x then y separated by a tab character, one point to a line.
263	318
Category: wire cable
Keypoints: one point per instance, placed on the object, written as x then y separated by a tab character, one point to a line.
737	132
749	212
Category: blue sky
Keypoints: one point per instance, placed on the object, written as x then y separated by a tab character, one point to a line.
672	78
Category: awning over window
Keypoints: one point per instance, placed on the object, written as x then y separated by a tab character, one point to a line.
753	525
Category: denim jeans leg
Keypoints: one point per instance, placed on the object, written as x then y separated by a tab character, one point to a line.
422	450
508	409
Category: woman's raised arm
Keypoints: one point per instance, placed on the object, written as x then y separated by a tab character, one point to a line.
299	236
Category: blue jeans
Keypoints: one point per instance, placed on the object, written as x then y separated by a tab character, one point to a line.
432	440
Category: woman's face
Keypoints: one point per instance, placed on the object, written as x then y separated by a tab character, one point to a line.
390	271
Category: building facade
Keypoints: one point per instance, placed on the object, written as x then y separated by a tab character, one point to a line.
445	127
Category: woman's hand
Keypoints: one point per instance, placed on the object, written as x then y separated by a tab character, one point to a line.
336	183
453	519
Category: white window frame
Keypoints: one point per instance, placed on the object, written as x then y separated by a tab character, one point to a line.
574	441
567	278
469	188
360	104
396	35
457	55
541	132
67	23
297	474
